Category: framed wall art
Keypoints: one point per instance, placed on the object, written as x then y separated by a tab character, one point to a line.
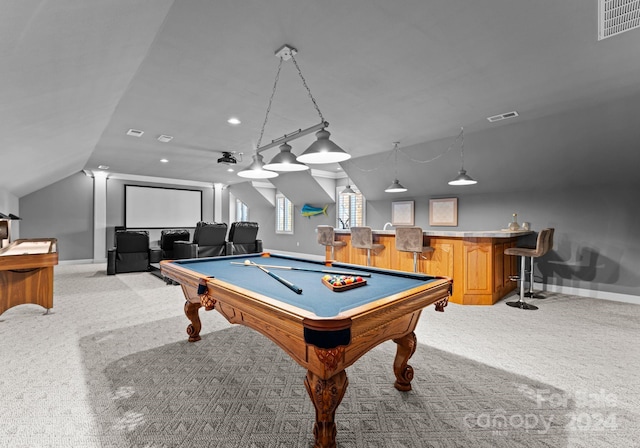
402	213
443	212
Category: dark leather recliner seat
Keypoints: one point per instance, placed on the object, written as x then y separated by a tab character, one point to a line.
167	240
243	238
130	254
209	240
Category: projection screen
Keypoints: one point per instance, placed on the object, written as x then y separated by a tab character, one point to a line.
158	207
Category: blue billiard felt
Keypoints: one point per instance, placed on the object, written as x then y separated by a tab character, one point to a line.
315	297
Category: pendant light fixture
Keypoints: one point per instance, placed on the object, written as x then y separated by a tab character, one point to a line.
348	190
396	186
462	178
256	170
321	151
285	161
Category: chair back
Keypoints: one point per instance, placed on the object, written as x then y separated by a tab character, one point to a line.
210	237
409	239
548	241
326	235
168	237
131	241
131	252
243	237
361	237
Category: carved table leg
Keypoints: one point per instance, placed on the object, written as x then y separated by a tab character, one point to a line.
326	395
404	372
193	330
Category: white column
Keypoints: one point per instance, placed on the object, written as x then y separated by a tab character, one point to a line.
217	202
99	216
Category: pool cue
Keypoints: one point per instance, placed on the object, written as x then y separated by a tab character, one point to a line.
285	282
326	271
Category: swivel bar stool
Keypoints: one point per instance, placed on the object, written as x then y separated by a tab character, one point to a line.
523	253
409	239
547	246
326	237
362	238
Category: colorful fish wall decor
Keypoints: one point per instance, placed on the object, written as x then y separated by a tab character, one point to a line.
309	211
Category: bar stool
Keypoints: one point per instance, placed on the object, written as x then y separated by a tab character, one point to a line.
547	246
409	239
362	238
523	253
326	237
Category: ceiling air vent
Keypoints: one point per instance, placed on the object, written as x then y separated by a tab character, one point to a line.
135	133
505	115
617	16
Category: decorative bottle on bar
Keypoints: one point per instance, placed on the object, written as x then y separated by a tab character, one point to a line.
513	225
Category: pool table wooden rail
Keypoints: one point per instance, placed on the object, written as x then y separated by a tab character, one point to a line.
368	325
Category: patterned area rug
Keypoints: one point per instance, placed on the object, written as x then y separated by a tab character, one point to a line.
235	388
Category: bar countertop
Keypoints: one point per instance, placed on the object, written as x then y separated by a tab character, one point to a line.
454	233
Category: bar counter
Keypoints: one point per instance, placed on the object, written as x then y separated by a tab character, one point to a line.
475	260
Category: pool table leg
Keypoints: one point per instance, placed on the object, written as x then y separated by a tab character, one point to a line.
404	372
326	395
193	330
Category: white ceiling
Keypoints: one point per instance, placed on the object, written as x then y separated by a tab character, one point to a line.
77	75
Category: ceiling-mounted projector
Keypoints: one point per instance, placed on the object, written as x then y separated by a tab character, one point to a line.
227	158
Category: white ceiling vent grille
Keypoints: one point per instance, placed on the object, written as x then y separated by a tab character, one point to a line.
503	116
617	16
135	132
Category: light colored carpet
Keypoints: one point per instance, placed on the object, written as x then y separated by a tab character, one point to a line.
111	367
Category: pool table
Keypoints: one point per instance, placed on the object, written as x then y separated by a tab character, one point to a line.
323	330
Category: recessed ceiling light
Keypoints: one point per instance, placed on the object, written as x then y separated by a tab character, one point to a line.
103	167
230	170
135	132
164	160
233	120
165	138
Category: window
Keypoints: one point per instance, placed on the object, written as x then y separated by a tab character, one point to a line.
351	209
242	211
284	215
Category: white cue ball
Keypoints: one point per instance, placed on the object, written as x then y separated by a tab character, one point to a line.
247	262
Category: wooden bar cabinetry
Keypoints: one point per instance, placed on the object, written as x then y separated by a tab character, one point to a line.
474	260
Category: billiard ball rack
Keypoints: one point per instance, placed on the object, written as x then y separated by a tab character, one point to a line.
342	284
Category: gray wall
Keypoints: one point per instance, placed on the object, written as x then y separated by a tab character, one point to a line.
63	210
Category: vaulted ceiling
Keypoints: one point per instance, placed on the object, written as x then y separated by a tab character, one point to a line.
77	75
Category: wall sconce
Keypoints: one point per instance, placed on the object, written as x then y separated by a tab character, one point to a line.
322	150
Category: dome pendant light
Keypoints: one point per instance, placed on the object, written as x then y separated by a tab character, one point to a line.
285	161
256	170
348	191
462	178
323	150
396	186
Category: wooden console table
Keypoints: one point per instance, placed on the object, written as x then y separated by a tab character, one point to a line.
475	260
26	273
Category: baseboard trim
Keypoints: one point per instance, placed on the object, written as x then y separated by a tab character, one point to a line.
87	261
591	293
